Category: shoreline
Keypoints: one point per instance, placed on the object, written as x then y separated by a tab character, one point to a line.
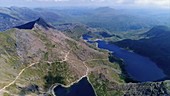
71	84
125	74
67	86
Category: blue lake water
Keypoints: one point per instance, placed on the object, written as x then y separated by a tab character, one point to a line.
82	88
138	67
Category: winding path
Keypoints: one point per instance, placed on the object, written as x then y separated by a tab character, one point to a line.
32	64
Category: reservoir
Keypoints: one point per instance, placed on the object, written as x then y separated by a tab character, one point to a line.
138	67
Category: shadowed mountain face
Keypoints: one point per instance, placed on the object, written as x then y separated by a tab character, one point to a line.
31	25
6	21
158	31
155	45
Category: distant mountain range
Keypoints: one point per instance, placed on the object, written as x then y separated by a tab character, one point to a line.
114	20
15	16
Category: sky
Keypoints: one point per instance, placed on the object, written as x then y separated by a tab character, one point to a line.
111	3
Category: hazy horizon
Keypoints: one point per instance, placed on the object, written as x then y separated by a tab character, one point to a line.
88	3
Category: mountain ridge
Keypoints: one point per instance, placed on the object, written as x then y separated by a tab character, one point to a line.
42	58
30	25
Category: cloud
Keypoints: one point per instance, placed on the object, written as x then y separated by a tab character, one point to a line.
153	2
142	3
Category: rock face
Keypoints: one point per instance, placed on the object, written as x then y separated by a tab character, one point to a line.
146	89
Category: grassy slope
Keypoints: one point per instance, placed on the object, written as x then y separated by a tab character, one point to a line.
43	74
37	75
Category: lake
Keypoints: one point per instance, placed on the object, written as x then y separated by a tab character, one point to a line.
138	67
82	88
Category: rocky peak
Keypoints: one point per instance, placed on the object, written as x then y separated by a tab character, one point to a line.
30	25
